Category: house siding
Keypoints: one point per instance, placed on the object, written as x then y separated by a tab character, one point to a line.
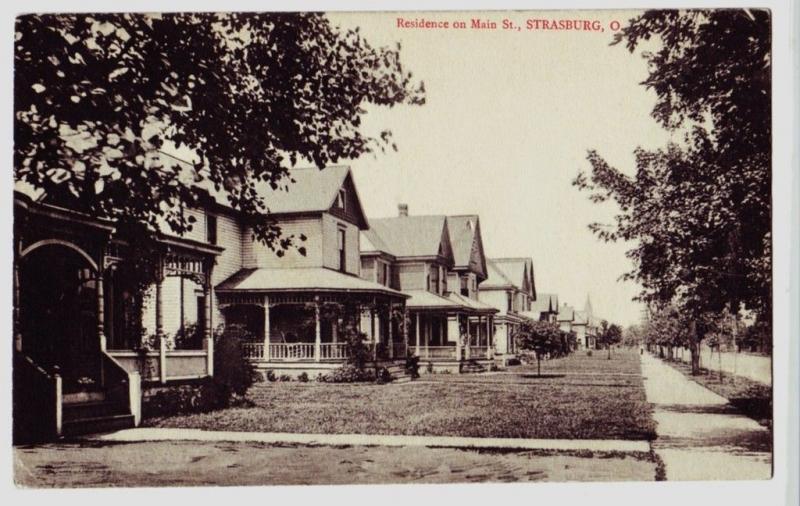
330	250
256	255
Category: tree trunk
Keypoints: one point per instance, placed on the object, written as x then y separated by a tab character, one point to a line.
609	352
538	365
694	348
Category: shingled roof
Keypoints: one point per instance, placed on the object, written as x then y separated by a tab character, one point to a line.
505	272
465	237
545	303
410	236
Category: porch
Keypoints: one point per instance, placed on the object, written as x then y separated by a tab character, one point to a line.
309	317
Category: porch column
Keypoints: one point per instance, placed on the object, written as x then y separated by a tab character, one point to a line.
101	330
162	344
454	331
317	332
417	335
372	335
390	332
406	323
266	353
489	335
17	333
479	330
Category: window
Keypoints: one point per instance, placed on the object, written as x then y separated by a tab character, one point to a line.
386	275
341	200
465	286
342	250
509	301
433	279
211	228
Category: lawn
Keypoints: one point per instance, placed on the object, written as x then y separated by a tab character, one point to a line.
579	398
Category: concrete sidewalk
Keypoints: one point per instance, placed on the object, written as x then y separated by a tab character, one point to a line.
153	434
700	435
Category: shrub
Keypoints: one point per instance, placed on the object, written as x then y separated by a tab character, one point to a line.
412	366
303	377
383	376
285	377
588	353
321	378
429	368
271	376
350	374
180	399
233	372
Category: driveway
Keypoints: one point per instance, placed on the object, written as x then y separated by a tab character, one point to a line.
700	435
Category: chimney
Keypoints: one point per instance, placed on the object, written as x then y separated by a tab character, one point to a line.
402	209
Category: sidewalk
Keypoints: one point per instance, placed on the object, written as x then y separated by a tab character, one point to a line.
700	435
152	434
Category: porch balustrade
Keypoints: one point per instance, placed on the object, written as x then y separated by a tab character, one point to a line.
333	351
441	352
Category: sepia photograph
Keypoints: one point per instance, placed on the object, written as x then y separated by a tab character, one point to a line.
417	247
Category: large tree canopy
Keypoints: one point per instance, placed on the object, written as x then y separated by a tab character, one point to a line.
699	211
249	94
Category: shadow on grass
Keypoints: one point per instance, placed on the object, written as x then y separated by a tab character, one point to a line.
542	376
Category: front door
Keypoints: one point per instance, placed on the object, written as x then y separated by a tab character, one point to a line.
58	314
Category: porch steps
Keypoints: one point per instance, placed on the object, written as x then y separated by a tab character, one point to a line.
398	372
94	416
97	425
472	366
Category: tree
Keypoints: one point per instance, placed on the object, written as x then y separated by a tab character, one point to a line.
99	98
609	334
698	211
541	337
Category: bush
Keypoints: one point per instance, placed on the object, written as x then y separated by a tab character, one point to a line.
383	376
173	400
350	374
271	376
285	377
412	366
303	377
588	353
429	368
233	372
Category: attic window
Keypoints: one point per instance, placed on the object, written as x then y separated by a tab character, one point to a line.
341	199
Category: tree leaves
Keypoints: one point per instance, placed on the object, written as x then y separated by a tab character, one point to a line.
249	94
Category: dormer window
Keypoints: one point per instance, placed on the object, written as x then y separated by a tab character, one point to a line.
465	286
341	199
211	229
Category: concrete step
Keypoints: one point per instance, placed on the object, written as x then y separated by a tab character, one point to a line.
96	425
95	409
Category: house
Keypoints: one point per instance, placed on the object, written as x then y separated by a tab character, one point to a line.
544	308
82	336
510	288
438	262
586	326
583	323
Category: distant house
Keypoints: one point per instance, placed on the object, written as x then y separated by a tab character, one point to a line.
510	288
583	323
544	308
437	261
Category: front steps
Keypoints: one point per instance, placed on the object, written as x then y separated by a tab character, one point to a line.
398	372
90	413
472	366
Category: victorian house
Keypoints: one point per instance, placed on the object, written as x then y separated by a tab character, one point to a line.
544	308
510	288
86	346
438	262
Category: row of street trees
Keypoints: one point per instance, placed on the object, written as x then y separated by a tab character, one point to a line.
546	339
698	211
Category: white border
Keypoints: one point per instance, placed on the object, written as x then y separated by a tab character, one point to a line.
782	489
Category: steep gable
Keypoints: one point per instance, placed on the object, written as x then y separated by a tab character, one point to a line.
465	234
347	205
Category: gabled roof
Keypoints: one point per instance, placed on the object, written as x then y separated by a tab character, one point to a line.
465	236
473	305
496	278
517	272
410	236
565	313
545	303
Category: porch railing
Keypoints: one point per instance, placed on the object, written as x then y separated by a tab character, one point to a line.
253	350
332	351
291	351
441	352
478	353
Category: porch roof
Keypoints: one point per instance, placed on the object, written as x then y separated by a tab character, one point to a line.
423	299
472	304
310	279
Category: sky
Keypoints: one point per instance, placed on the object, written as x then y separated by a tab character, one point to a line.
508	120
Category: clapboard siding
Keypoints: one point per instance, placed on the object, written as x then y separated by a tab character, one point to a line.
256	255
330	246
412	276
